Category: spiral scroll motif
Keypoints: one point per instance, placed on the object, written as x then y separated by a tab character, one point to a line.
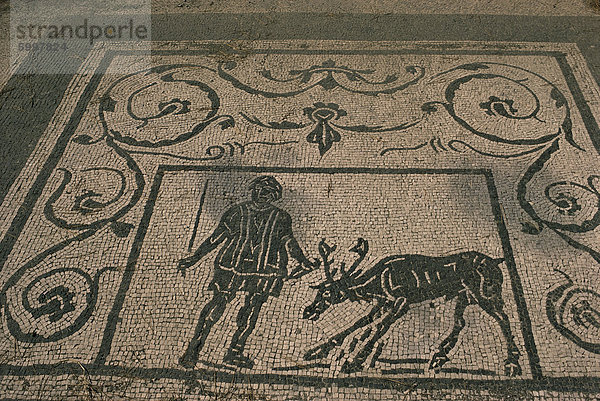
504	104
49	306
575	313
575	207
147	109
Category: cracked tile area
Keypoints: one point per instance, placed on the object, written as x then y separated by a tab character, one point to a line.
310	220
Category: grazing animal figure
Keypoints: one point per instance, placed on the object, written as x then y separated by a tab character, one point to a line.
398	281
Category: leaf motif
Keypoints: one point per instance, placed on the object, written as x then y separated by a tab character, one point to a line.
229	65
107	104
392	78
529	228
90	205
306	76
85	203
266	74
558	97
83	139
227	123
120	229
323	135
474	67
285	125
429	108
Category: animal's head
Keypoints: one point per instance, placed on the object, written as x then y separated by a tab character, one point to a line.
328	293
333	291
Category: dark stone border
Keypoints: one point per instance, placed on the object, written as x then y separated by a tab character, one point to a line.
99	366
25	210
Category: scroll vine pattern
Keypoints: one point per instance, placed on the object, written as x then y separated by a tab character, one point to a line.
58	301
322	116
495	106
327	75
55	294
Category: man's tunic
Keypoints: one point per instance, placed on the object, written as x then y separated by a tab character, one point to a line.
253	257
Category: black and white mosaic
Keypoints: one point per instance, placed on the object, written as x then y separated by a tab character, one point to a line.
310	220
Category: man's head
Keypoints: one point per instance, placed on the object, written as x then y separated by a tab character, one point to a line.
265	189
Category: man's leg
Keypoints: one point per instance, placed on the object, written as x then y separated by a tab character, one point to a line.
211	313
246	321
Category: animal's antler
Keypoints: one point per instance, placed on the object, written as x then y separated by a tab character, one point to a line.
325	251
361	248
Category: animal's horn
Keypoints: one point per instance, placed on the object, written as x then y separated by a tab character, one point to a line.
343	269
361	247
325	250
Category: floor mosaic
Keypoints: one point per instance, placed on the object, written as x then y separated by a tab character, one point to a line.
309	220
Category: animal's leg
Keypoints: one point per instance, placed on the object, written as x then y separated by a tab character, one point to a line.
381	327
441	356
494	307
323	350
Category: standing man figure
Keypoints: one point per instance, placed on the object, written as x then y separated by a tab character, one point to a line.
257	239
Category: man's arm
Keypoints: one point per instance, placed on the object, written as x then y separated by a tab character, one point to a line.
207	246
306	266
294	250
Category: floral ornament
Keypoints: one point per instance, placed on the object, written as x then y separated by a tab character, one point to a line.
328	75
499	107
323	133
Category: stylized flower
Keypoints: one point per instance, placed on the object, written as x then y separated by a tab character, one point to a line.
325	129
502	107
323	133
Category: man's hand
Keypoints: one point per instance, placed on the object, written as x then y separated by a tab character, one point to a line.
304	269
314	264
183	265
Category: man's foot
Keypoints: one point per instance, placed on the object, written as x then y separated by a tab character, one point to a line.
238	359
188	360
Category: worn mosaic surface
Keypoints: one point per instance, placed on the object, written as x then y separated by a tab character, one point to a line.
310	220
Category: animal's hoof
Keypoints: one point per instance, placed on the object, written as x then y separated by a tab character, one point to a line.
319	352
512	369
352	367
437	362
